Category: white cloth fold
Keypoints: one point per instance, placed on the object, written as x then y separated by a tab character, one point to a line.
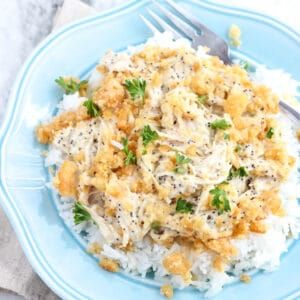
17	278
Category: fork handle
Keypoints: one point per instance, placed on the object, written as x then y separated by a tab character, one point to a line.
290	109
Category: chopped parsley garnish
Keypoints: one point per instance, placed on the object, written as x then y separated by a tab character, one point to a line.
245	65
70	86
148	135
220	200
93	109
80	213
181	160
238	148
130	156
270	133
183	206
240	172
136	88
155	225
220	124
226	136
202	99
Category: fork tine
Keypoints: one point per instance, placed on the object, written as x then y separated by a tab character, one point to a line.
180	24
191	18
149	25
164	25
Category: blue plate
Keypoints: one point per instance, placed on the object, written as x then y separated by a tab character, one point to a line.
54	253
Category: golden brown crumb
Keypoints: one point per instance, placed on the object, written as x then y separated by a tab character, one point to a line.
79	156
66	179
222	246
258	227
109	264
94	248
46	132
245	278
234	35
167	291
176	263
218	264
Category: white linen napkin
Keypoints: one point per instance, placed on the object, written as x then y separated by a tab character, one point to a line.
16	275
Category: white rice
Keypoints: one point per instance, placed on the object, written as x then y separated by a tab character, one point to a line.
70	102
258	251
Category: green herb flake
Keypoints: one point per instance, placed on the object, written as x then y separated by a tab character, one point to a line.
80	214
155	225
148	135
226	136
220	124
245	65
180	170
93	109
70	86
238	148
270	133
130	156
181	160
220	200
240	172
183	206
201	99
136	88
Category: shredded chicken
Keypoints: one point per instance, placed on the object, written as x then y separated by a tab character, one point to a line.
195	159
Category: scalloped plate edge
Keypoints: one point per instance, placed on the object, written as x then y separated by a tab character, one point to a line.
31	249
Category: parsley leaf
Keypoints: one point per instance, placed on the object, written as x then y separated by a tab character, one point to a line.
220	200
240	172
181	160
183	206
270	133
238	148
180	170
70	86
226	136
155	225
202	99
245	65
80	214
136	88
148	135
220	124
93	109
130	156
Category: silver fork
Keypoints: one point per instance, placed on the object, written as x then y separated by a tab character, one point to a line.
203	37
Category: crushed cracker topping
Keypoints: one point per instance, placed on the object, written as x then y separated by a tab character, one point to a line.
109	264
167	291
245	278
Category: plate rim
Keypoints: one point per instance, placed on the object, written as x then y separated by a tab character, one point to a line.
59	286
